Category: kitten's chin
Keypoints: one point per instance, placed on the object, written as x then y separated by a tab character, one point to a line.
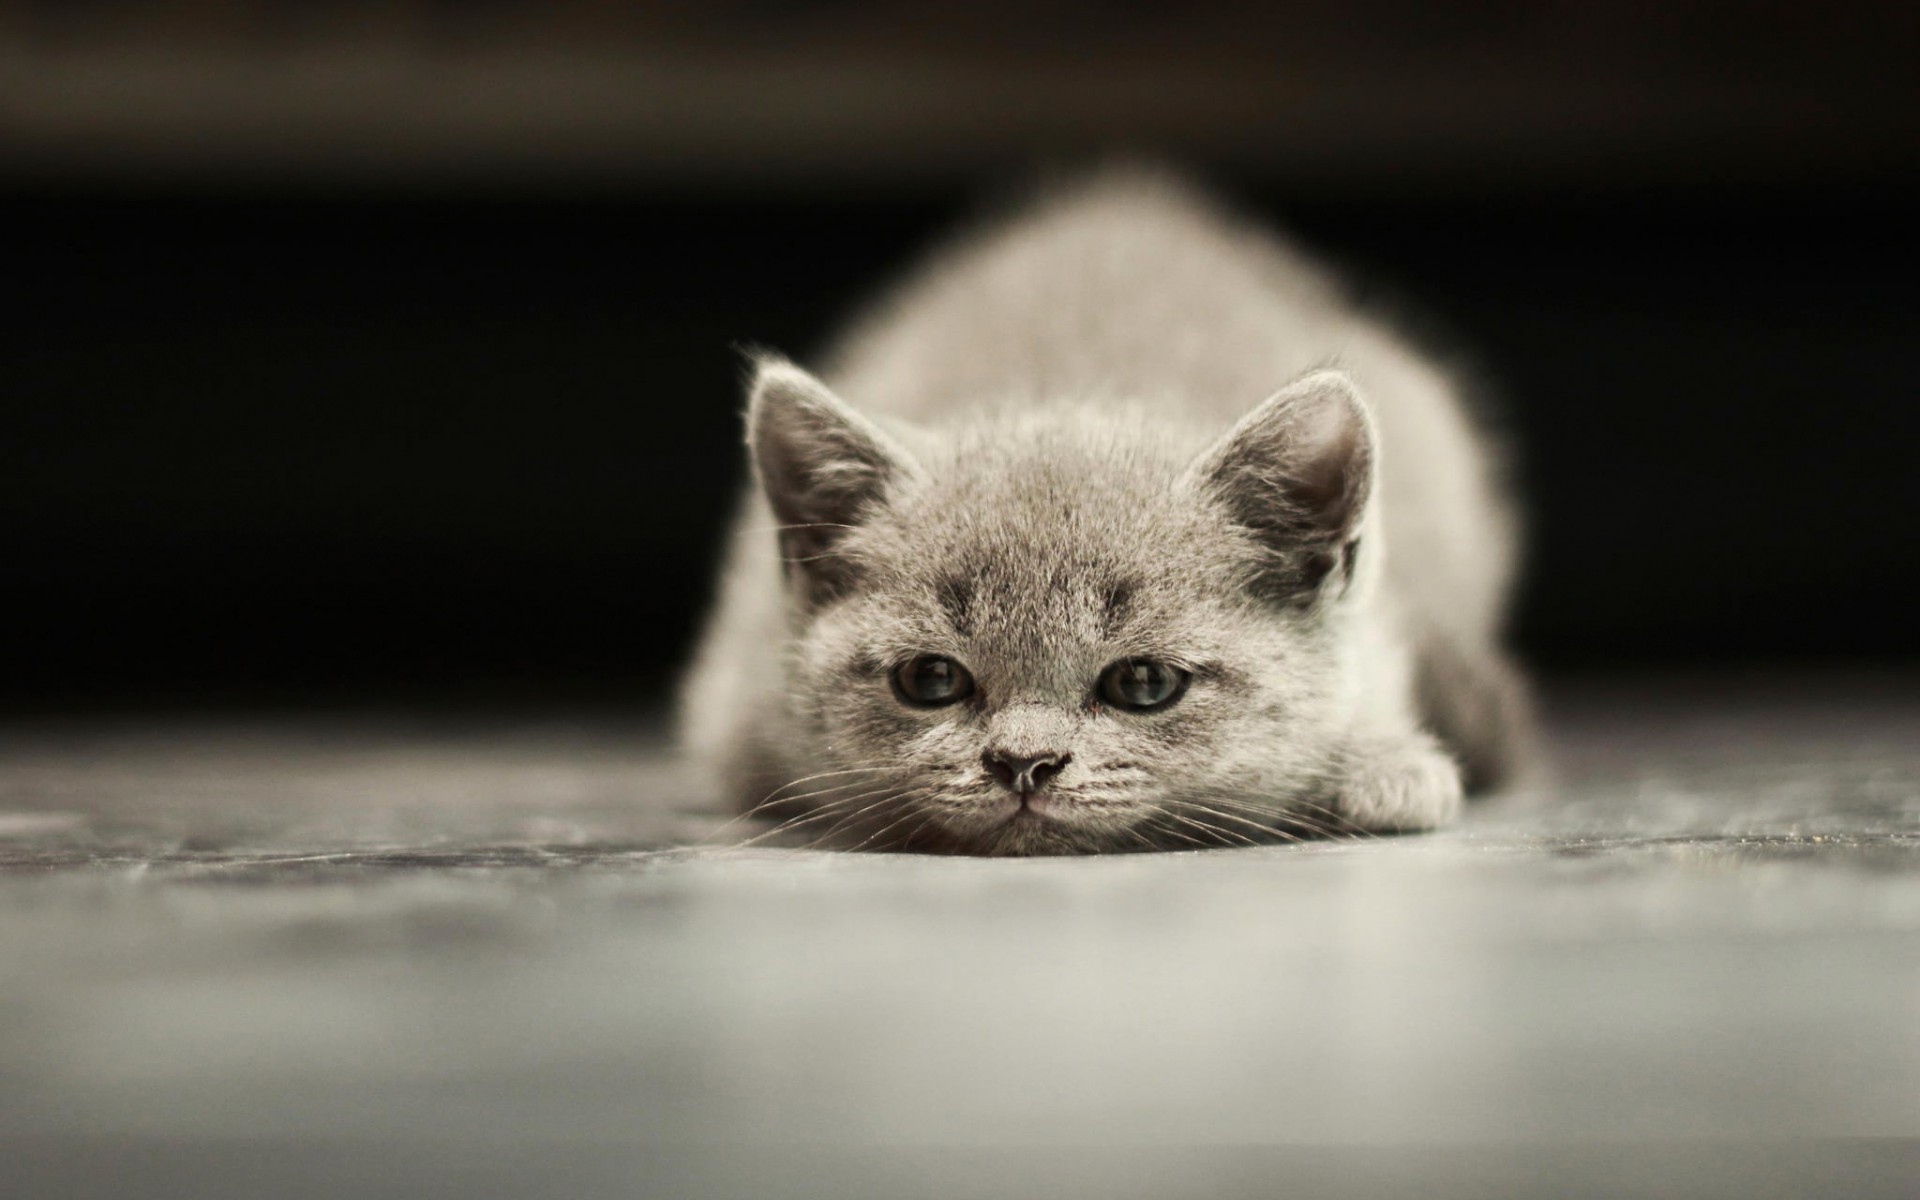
1024	831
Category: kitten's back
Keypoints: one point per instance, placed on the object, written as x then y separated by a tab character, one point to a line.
1128	285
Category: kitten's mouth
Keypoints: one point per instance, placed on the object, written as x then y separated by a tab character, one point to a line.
1054	826
1034	808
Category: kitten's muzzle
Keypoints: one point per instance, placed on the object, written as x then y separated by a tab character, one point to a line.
1024	774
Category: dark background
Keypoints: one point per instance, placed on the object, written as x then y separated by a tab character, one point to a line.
416	383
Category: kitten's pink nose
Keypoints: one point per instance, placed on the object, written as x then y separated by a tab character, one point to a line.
1023	774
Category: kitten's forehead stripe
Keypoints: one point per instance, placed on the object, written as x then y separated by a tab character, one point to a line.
1051	555
956	599
1119	606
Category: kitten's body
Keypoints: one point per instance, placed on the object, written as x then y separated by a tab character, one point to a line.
1045	488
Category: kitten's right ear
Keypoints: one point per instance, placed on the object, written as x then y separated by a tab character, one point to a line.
822	466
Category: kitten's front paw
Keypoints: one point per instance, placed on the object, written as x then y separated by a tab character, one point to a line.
1399	785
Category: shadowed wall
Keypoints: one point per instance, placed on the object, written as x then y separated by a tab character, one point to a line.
419	383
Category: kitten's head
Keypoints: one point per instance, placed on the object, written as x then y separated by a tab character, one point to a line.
1061	631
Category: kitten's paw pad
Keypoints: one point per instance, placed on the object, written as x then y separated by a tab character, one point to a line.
1400	786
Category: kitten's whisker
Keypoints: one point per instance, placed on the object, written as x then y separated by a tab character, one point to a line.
774	797
1139	834
1298	813
848	819
827	809
1215	838
1342	823
1206	828
1160	831
912	810
799	525
927	822
1265	820
877	834
1223	833
847	824
1262	827
810	802
836	811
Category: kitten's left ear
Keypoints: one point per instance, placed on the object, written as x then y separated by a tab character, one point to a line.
1296	472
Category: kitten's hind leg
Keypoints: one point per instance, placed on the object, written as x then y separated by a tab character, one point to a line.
1481	707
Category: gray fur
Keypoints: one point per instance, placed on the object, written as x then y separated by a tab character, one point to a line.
1048	452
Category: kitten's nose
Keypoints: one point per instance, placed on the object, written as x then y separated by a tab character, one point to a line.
1023	774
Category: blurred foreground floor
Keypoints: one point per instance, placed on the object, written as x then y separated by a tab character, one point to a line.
411	957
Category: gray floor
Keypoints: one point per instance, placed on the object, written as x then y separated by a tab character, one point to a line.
400	956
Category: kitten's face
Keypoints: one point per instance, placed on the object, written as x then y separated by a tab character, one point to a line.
1049	638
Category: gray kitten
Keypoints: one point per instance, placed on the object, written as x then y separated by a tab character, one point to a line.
1036	570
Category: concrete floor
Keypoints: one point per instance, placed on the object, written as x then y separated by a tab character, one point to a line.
461	956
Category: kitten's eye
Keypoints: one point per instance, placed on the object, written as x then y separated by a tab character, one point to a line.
1142	684
931	681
